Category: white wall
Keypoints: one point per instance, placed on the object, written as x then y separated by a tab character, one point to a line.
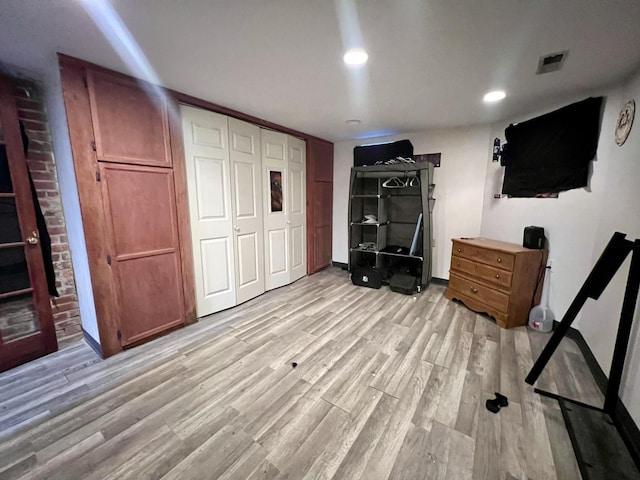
458	192
620	212
69	196
569	221
578	225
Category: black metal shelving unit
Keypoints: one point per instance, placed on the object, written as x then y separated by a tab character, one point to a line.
383	241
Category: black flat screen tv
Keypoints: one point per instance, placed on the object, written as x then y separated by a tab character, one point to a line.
551	153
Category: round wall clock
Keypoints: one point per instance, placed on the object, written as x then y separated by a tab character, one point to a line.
625	121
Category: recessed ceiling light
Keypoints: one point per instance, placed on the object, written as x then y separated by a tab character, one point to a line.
353	121
494	96
355	56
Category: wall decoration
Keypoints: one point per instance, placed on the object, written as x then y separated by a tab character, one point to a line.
625	122
275	178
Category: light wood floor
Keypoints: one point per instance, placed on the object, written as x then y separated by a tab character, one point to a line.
387	386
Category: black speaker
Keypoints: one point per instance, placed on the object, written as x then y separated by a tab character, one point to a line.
533	237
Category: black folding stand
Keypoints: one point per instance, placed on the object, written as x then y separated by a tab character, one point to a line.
599	448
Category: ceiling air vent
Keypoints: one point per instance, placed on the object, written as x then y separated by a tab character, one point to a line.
552	62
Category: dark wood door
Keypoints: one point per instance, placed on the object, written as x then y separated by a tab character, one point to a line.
130	125
26	324
323	214
319	204
130	120
141	219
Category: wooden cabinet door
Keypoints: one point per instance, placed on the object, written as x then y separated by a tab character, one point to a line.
131	135
322	218
320	161
130	120
26	324
322	250
141	219
319	204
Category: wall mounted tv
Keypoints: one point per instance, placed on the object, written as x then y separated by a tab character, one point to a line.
551	153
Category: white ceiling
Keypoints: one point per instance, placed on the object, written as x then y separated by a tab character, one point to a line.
430	61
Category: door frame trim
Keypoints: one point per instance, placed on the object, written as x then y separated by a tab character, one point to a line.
44	341
77	106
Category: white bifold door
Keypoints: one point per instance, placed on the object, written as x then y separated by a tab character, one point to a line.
283	164
298	210
246	191
225	208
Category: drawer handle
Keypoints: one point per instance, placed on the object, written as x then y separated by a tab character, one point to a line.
457	264
459	250
497	275
499	260
474	289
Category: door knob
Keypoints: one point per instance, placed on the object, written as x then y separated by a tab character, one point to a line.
288	222
33	238
236	228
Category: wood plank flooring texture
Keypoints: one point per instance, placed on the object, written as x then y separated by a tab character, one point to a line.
387	387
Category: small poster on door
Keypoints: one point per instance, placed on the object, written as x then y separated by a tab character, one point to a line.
276	190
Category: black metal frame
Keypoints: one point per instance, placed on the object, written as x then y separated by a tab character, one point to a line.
605	268
614	254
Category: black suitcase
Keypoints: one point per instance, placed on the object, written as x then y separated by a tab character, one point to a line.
366	277
402	283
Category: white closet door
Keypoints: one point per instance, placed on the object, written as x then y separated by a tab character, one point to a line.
206	151
246	190
276	219
297	208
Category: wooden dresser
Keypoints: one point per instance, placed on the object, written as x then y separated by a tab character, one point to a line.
497	278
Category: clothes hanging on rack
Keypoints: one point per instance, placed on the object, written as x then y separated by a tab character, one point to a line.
394	182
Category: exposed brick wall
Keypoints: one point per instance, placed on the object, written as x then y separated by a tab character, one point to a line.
32	113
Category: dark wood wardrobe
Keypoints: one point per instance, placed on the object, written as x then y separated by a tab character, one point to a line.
319	204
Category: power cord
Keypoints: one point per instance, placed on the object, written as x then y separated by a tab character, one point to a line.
541	271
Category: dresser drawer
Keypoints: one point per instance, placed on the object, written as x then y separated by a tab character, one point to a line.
494	276
460	264
499	277
502	260
479	292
